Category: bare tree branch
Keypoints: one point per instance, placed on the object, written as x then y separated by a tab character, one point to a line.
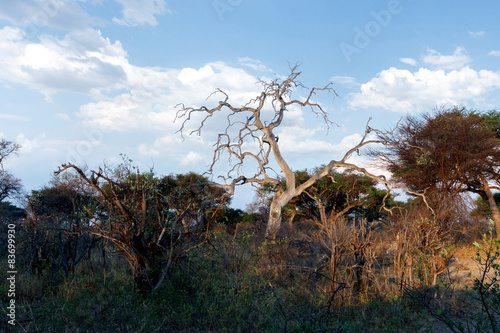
247	127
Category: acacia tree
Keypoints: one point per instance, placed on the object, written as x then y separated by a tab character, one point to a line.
54	230
153	221
447	153
9	184
250	125
336	195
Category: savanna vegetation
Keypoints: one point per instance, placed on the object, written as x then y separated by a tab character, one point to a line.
327	249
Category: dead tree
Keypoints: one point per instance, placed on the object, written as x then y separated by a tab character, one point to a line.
247	125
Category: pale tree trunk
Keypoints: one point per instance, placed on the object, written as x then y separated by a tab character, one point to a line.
274	221
495	213
279	201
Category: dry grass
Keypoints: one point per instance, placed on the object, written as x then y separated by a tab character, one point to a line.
240	283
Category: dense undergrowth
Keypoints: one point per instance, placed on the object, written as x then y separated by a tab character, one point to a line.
237	282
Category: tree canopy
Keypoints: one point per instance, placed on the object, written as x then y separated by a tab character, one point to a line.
338	194
446	153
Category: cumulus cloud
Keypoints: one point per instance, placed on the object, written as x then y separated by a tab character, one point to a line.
494	53
124	96
153	94
449	83
141	12
81	62
295	139
85	62
455	61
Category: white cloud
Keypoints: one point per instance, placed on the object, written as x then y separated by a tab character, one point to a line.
12	117
153	93
82	62
192	77
295	139
163	145
39	143
124	96
299	140
494	53
401	90
33	14
449	82
476	33
348	142
173	145
194	159
347	80
253	64
408	61
455	61
118	113
140	12
185	153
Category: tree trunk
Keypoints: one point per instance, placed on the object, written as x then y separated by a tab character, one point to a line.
274	221
280	200
495	213
322	213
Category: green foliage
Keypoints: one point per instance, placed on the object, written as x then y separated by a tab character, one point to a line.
9	185
492	120
484	297
446	151
487	285
482	207
9	212
235	284
150	220
347	192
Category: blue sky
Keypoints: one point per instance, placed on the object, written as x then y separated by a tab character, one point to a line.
85	80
